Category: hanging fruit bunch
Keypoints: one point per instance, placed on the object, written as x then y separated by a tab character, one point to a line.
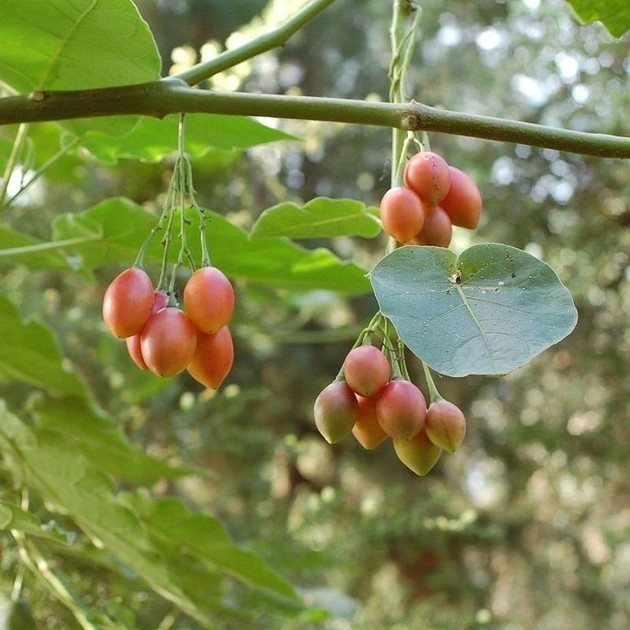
160	335
373	397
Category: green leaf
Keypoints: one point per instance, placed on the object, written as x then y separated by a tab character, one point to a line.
205	538
152	139
319	218
114	230
29	353
614	14
101	441
75	44
14	517
487	312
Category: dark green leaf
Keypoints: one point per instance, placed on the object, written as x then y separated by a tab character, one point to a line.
319	218
614	14
29	353
487	312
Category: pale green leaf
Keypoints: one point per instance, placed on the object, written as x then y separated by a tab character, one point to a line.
487	312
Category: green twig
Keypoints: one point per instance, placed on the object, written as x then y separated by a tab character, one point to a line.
20	137
44	167
267	41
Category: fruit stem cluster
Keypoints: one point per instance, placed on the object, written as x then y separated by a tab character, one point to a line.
180	197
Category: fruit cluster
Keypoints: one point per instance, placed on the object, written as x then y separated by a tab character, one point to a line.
167	340
367	400
434	198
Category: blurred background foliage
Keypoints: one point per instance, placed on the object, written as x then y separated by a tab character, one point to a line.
528	525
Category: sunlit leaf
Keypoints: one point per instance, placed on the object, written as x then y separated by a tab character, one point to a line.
614	14
488	311
319	218
65	45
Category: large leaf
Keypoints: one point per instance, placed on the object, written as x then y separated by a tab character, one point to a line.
319	218
153	139
114	230
75	44
614	14
29	353
487	312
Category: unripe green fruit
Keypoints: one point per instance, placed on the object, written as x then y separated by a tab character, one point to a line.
335	411
401	409
445	425
366	370
419	454
367	430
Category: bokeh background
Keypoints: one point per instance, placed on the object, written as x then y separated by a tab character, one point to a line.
528	525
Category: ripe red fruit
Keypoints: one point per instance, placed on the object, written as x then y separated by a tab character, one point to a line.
427	174
160	301
419	454
463	201
366	429
437	229
336	410
127	302
213	358
402	214
401	409
366	370
168	342
445	425
209	299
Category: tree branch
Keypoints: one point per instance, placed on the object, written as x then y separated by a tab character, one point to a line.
174	96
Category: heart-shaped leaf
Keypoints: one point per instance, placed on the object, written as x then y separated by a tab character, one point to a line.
489	311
